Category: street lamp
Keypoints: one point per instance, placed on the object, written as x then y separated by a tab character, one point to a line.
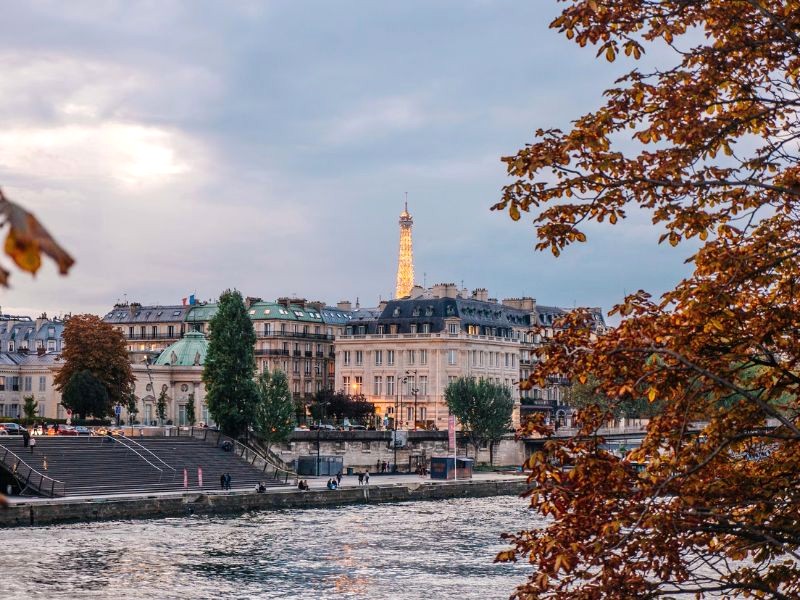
319	430
414	391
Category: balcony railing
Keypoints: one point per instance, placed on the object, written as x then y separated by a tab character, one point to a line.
154	336
295	334
271	352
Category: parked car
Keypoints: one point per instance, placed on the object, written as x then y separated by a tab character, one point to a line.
83	430
119	431
12	428
67	430
357	428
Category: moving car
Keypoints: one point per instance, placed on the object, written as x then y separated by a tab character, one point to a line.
82	430
67	430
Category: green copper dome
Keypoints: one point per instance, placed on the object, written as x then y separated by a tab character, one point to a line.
189	351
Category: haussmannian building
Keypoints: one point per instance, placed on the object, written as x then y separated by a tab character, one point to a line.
402	355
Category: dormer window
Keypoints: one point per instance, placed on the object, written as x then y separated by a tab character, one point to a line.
429	311
396	312
415	312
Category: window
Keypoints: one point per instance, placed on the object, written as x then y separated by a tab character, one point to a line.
390	357
380	329
423	385
357	384
508	359
295	366
307	387
42	383
423	413
426	328
377	385
296	387
412	357
14	384
411	384
346	357
378	357
2	384
451	379
359	357
154	329
267	328
28	383
452	356
143	331
171	330
390	385
130	332
51	345
474	358
423	357
10	346
413	328
307	368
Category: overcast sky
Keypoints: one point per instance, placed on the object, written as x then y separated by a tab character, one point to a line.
190	147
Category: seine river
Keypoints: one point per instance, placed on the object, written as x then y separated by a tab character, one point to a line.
430	550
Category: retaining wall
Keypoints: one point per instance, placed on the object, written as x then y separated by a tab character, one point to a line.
65	510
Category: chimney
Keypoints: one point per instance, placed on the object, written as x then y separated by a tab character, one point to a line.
250	300
481	294
344	305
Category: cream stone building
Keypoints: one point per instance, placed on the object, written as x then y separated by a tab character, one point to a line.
402	355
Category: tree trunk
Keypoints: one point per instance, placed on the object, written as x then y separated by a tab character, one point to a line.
491	453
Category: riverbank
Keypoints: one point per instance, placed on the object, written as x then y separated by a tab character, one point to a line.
36	511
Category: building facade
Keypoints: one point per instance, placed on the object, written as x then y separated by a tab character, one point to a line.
403	355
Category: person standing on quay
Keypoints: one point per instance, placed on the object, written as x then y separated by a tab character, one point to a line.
360	478
339	478
32	444
26	437
366	478
222	481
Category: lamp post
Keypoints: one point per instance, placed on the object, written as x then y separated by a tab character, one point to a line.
146	362
319	430
414	392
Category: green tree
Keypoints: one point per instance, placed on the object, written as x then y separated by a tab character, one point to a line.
340	405
161	406
90	344
132	408
190	408
483	408
85	395
29	408
230	366
275	410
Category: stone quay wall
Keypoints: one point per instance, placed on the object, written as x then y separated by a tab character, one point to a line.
364	449
65	510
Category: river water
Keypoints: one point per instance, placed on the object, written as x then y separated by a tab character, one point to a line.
441	549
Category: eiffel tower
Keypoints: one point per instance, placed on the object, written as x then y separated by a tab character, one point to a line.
405	259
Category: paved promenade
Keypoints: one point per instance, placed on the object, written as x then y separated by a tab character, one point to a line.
314	483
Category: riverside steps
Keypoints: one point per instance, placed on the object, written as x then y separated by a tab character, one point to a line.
382	489
105	465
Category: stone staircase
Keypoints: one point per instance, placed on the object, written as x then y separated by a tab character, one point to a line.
96	466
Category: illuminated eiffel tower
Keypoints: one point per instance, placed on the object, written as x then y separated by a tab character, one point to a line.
405	260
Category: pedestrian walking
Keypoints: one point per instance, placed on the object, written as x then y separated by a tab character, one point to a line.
366	478
26	437
44	464
227	481
222	481
32	444
339	478
360	479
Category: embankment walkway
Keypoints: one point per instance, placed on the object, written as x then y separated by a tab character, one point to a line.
382	488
